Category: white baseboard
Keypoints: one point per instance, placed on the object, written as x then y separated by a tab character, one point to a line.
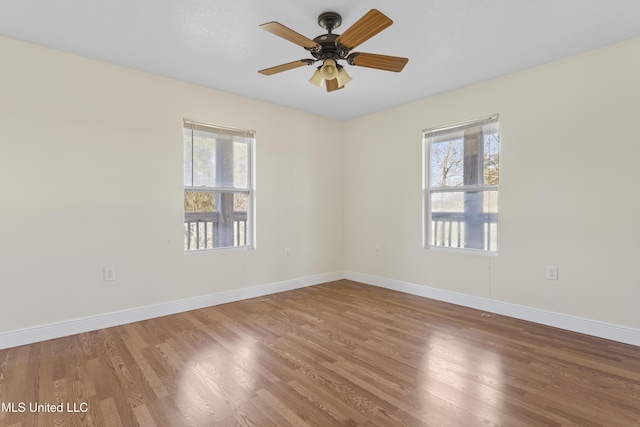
92	323
594	328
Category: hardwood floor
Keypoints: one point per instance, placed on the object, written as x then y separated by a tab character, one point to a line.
337	354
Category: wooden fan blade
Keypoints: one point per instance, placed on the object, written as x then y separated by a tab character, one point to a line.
380	62
366	27
287	33
287	66
332	85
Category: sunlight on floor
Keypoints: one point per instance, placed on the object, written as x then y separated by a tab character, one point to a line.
469	380
215	381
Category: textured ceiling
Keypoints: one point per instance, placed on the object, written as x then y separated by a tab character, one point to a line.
218	44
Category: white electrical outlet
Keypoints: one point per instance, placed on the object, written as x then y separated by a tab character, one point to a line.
552	272
287	252
109	274
377	250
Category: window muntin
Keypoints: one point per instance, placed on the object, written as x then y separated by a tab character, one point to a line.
218	187
461	185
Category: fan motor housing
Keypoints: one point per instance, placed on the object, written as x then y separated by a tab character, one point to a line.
328	47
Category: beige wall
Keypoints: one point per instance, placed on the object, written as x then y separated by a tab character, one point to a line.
91	176
91	170
568	197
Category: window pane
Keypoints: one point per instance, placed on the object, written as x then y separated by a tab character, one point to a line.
491	159
188	164
204	159
240	202
240	223
447	161
240	164
464	219
217	161
215	220
199	201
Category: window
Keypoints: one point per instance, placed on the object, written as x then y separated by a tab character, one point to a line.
218	187
461	177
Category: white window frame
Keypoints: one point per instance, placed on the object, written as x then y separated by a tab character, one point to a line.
205	226
447	133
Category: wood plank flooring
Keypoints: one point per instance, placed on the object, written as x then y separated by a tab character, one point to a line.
337	354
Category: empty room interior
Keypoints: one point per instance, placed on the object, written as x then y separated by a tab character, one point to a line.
192	234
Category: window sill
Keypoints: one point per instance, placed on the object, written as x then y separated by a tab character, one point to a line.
213	251
462	251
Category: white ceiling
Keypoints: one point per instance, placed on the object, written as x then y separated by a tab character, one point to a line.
218	44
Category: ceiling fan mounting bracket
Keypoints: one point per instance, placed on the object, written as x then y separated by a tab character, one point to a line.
329	21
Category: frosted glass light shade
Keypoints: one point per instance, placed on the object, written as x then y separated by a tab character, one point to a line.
343	77
316	78
329	70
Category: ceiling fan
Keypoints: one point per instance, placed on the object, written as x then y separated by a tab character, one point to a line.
331	48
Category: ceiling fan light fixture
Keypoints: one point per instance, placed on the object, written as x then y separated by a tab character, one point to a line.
329	69
316	78
343	77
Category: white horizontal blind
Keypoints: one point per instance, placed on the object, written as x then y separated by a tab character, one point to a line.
488	123
218	130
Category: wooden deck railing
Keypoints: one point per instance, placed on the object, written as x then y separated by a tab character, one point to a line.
448	229
204	230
